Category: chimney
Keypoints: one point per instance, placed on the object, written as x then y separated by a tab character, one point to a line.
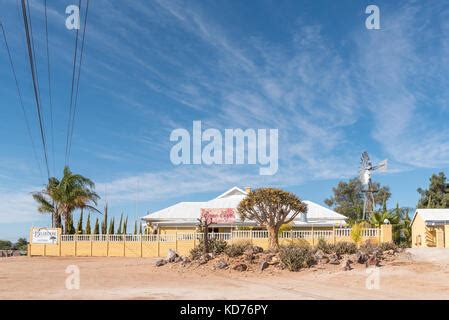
247	189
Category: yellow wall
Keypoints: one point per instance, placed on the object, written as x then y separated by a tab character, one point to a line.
161	247
419	232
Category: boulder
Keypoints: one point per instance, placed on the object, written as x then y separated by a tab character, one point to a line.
221	265
171	255
324	260
257	249
334	259
185	259
203	259
274	260
263	265
240	267
361	257
177	259
372	261
160	262
319	254
347	265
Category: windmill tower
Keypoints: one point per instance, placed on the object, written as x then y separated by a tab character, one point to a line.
365	173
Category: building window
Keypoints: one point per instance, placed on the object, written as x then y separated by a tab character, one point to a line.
216	230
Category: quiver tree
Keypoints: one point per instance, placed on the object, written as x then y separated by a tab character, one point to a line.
203	223
271	208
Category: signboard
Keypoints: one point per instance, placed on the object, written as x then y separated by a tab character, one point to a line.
219	215
44	236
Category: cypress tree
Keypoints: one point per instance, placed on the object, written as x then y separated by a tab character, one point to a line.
135	227
140	229
104	224
125	225
97	227
70	226
119	229
111	226
79	228
88	230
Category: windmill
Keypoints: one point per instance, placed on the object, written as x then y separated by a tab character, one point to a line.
365	172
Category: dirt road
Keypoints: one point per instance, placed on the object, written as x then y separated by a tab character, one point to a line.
129	278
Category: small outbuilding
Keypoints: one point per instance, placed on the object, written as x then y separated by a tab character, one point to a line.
430	228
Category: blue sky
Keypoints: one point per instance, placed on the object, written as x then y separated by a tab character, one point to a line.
307	68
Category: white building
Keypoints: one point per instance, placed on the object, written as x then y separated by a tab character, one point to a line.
184	216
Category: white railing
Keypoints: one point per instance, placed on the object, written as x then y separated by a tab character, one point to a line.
343	232
323	234
225	236
149	238
370	232
67	237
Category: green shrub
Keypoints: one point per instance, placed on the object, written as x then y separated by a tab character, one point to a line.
216	246
388	246
345	248
324	246
296	257
298	242
237	249
368	247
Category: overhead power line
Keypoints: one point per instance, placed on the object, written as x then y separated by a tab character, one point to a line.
78	80
49	88
35	84
20	99
69	124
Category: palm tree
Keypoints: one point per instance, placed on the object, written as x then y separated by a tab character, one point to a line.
62	197
47	204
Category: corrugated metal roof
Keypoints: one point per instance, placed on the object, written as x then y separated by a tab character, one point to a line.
433	214
190	211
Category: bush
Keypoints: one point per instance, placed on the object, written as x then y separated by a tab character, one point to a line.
216	246
296	257
345	248
237	249
324	246
5	245
368	247
300	242
388	246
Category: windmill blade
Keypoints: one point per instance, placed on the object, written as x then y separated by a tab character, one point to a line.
382	166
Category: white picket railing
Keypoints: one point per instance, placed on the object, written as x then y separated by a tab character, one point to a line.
343	232
225	236
370	232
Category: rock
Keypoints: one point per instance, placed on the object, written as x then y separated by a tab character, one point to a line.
240	267
334	259
221	265
185	259
324	260
203	259
274	260
319	255
263	265
171	255
361	257
372	261
347	265
210	256
178	259
249	255
257	249
160	262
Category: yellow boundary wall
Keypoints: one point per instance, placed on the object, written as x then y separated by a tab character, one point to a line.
158	245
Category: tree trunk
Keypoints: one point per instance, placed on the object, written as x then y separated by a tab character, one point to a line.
273	241
206	239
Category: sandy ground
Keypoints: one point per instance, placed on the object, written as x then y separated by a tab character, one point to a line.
414	275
